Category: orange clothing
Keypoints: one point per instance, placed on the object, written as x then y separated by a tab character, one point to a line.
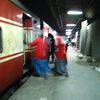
40	48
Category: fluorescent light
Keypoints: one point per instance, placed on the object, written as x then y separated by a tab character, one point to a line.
68	33
71	25
68	30
73	12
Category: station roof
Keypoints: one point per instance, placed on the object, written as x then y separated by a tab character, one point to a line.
54	12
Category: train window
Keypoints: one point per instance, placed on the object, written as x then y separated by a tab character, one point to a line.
1	43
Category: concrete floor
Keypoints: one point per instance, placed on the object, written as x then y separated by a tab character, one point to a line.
83	83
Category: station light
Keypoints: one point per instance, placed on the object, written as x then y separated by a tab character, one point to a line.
68	30
68	33
73	12
70	24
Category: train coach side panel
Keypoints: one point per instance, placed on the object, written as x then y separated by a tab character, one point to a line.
9	11
11	59
10	70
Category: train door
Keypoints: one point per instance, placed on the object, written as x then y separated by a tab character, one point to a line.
30	32
26	39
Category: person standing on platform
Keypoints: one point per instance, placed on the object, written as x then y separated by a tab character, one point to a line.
51	41
61	55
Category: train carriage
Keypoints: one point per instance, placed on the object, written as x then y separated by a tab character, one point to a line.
15	26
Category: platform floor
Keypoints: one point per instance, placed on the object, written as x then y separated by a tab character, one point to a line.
83	83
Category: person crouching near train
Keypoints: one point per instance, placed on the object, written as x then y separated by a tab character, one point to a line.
61	55
40	49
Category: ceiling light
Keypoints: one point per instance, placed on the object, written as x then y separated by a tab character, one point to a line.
68	30
68	33
71	25
73	12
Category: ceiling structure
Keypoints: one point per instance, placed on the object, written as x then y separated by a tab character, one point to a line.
54	12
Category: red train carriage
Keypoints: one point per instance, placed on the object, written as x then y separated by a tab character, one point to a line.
15	56
11	56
